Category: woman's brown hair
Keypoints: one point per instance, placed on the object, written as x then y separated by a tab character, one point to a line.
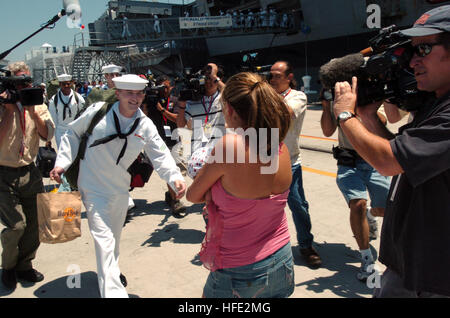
257	104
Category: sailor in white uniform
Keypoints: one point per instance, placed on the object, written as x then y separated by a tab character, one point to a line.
64	106
103	179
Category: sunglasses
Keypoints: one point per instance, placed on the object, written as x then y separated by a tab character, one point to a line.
424	49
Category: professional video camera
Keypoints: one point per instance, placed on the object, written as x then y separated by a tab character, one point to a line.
27	96
250	63
385	75
194	84
153	94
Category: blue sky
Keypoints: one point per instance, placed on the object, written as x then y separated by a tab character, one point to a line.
21	18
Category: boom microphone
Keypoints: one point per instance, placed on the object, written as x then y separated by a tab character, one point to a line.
340	69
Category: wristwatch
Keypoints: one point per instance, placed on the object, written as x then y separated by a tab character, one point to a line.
344	116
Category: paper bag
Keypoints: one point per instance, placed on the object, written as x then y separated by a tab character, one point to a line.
59	216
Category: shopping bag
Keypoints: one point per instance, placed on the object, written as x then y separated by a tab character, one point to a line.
59	216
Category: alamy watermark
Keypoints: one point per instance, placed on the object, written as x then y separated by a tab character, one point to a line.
374	19
74	279
258	148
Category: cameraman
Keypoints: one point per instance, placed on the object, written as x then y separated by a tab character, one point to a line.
416	231
20	182
163	112
205	115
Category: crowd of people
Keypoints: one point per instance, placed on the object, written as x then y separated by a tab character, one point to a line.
247	238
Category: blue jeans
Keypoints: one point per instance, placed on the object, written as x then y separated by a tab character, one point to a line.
299	207
273	277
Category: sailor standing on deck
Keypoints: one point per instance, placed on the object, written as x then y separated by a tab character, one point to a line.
104	180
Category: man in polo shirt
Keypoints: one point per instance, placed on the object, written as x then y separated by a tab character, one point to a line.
20	182
204	116
416	228
104	180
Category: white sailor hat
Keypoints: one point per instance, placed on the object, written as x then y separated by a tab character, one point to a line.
111	68
130	82
64	78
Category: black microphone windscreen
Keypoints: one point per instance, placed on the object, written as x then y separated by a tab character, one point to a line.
340	69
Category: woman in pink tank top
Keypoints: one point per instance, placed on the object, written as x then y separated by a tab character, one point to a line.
245	184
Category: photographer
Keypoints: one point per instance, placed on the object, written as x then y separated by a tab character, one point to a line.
415	234
20	181
205	115
355	177
161	107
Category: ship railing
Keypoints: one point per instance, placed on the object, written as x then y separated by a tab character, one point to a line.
166	29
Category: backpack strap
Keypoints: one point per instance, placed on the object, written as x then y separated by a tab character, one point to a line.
95	120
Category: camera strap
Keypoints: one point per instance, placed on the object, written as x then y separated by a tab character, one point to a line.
22	110
286	94
167	107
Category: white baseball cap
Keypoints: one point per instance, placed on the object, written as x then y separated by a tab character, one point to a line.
130	82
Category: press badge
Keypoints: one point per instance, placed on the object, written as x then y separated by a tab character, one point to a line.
167	131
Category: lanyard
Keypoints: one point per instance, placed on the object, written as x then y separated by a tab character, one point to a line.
167	107
23	127
284	96
213	98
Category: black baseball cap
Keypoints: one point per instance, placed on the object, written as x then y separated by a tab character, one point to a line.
431	22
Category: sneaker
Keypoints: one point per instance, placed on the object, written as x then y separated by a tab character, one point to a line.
9	278
373	229
367	268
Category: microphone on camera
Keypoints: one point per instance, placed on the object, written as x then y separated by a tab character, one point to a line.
72	9
340	69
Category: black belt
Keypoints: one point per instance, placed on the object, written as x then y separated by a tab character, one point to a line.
18	169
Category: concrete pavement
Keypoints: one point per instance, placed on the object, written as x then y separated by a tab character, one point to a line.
159	252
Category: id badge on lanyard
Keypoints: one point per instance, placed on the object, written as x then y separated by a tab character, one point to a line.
207	128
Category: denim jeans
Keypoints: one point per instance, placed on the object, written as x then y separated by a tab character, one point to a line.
273	277
299	207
